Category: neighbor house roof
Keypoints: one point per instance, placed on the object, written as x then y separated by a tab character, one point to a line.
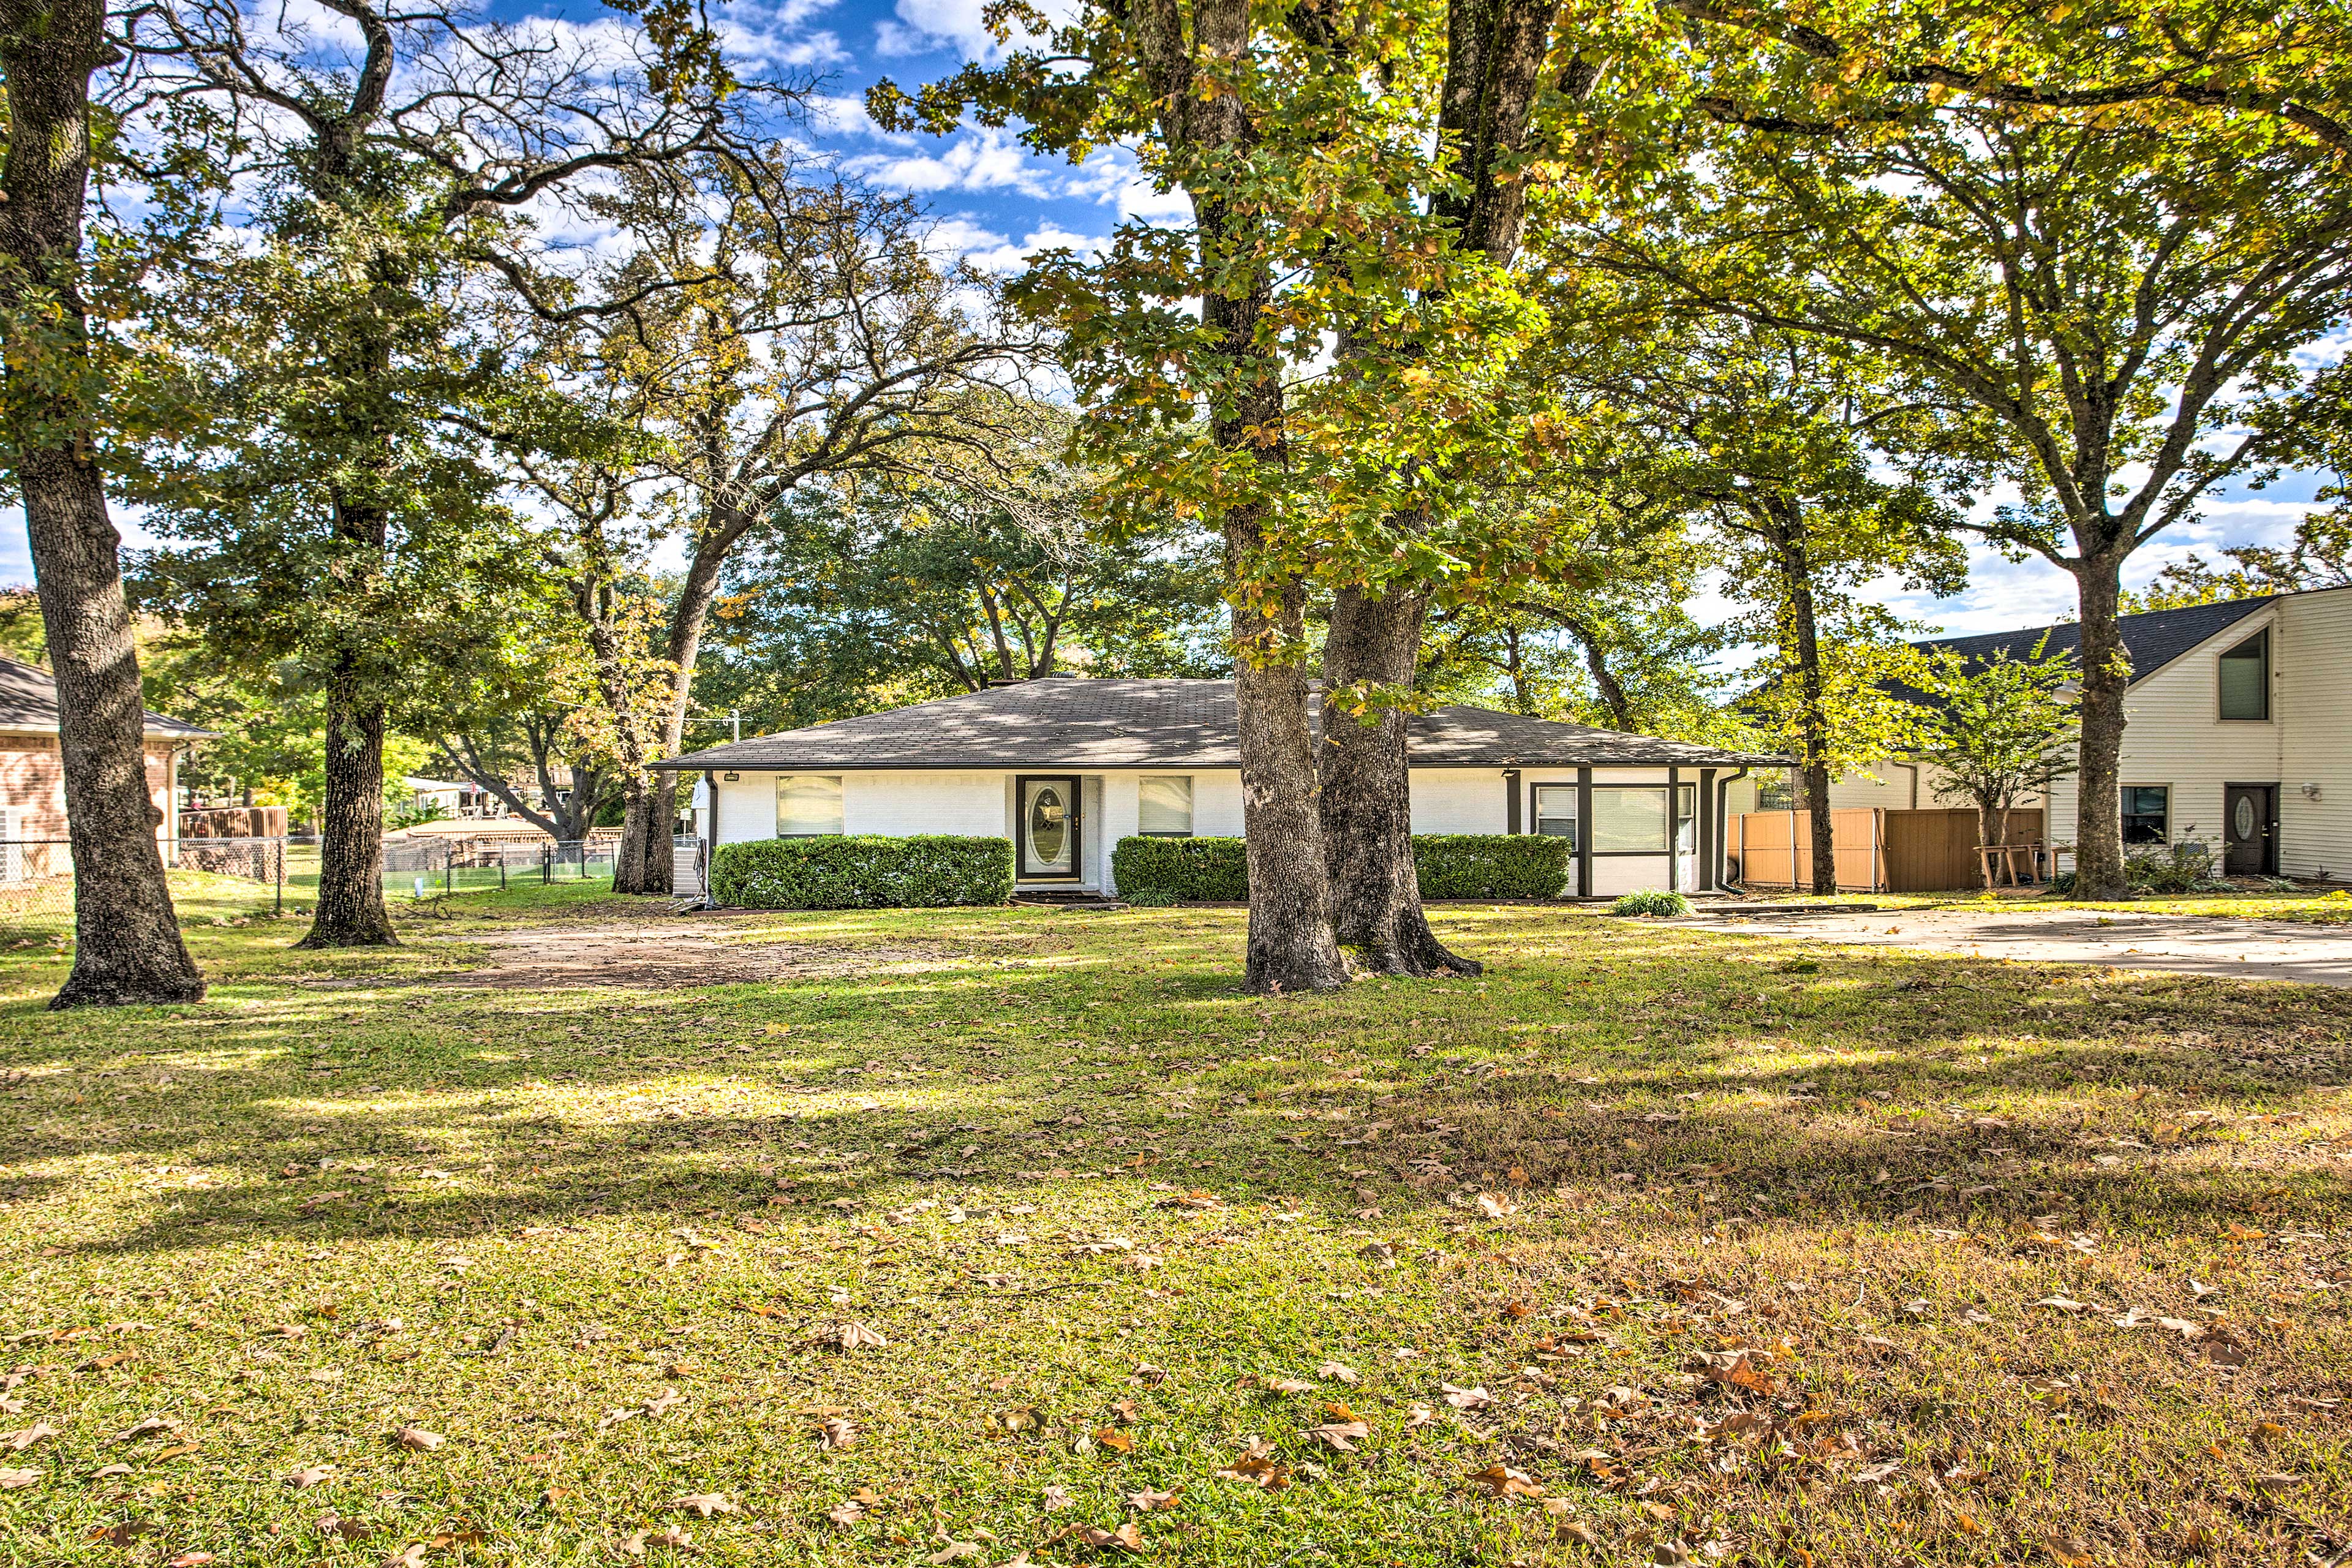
28	701
2154	639
1069	721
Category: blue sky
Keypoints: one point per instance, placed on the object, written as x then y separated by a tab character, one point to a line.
994	201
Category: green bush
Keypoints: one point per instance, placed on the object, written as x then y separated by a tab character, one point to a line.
1651	901
1494	865
1449	866
864	872
1182	870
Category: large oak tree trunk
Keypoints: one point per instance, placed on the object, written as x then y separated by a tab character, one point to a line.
1494	55
1366	783
1812	718
1291	945
2106	671
127	942
653	812
351	910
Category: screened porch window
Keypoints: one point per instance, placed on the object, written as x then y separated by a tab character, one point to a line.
808	805
1165	806
2246	679
1630	821
1556	811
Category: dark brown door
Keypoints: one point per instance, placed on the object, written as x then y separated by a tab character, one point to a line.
2249	848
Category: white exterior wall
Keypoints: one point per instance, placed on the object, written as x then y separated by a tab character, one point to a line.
2174	735
1459	800
2311	690
1217	804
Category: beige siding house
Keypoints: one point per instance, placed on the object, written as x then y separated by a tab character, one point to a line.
2238	733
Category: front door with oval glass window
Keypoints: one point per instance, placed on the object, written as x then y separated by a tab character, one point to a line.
1049	827
2249	847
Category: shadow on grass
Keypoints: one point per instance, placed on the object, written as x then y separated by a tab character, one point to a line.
1737	1080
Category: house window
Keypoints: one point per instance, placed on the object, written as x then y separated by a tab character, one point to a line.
1630	821
807	804
1774	792
1166	805
1556	811
2246	679
2147	808
1687	819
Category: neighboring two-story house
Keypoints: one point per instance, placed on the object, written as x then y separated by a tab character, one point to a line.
2237	733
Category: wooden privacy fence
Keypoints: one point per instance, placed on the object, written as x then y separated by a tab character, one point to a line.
1876	850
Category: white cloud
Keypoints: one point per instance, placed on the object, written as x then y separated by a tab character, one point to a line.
923	25
982	160
962	239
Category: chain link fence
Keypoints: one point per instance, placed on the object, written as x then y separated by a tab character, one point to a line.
436	867
229	881
213	881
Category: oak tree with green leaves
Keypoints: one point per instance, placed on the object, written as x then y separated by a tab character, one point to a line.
2002	729
1356	178
2100	237
57	429
340	507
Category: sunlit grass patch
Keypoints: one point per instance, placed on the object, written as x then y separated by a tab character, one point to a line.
1648	1241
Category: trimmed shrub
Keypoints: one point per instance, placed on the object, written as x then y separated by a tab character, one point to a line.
1449	866
1494	865
1651	901
1182	870
865	872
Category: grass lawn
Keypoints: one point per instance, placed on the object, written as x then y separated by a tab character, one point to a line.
952	1237
2309	905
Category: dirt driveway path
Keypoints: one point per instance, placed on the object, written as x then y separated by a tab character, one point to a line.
2191	944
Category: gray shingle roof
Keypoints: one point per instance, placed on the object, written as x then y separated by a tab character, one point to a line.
2154	639
28	700
1067	722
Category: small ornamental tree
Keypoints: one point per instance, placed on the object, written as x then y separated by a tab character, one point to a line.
2004	729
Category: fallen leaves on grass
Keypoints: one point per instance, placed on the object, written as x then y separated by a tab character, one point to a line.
855	1507
17	1479
303	1479
954	1551
1332	1369
17	1442
1466	1398
1147	1501
1057	1497
1114	1439
669	1536
418	1438
1342	1436
1257	1467
835	1431
1732	1367
851	1336
1126	1537
702	1505
1501	1480
149	1427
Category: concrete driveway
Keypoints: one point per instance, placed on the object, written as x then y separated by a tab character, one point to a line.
2190	944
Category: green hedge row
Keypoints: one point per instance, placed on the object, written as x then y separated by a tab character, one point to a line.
1449	865
864	872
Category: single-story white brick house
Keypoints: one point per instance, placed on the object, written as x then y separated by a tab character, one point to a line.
2237	734
1066	766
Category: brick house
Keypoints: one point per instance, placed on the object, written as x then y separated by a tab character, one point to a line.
32	773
